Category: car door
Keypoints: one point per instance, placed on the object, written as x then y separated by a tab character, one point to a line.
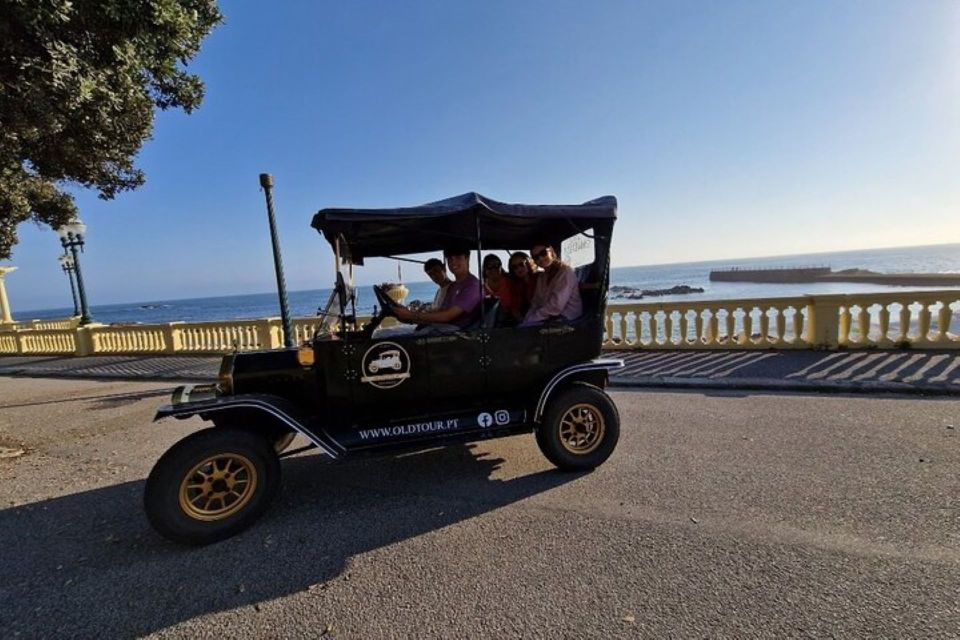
517	363
456	362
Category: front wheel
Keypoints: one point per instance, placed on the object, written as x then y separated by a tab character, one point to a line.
211	485
580	428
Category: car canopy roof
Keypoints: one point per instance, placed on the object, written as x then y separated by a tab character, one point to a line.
469	218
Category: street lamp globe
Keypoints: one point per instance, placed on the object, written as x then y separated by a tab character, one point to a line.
79	229
73	230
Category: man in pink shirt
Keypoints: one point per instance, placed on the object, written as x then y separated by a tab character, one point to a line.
557	293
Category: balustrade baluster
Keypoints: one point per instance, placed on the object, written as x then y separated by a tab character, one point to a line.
923	323
728	322
684	327
644	328
764	325
633	325
781	327
669	328
863	324
748	325
798	323
844	336
699	339
943	322
904	322
622	326
654	328
883	319
713	338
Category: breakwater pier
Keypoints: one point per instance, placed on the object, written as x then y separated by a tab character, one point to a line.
826	274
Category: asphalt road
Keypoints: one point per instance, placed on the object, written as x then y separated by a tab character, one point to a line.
719	515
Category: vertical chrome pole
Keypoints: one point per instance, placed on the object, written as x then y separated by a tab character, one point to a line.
266	181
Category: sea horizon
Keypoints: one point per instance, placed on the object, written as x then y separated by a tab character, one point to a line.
936	258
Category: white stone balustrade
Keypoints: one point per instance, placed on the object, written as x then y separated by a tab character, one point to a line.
919	319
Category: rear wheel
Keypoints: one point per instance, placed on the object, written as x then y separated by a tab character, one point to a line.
580	428
211	485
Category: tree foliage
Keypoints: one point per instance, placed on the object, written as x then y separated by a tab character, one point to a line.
79	81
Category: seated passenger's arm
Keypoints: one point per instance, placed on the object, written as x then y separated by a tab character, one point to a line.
556	298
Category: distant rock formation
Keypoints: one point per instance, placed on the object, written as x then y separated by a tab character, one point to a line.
632	293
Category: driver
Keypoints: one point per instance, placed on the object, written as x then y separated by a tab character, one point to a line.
461	304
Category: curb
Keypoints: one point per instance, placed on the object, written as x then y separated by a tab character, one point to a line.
768	384
105	375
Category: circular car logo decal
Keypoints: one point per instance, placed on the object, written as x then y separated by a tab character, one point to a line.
385	365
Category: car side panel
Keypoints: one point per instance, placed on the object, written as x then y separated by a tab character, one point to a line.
517	363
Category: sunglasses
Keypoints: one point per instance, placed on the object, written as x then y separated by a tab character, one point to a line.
540	254
517	265
492	267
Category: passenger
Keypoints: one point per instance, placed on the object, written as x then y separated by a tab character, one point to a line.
503	288
557	293
437	272
524	274
461	304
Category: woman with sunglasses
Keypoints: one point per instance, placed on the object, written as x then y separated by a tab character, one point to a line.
500	286
524	273
557	293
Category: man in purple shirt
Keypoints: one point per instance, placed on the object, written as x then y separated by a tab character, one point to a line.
461	304
557	293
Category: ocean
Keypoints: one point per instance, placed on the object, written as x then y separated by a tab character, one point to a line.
929	259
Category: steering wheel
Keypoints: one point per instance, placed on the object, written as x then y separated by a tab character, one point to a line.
387	304
387	308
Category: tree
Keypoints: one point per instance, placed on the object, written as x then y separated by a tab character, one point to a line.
79	81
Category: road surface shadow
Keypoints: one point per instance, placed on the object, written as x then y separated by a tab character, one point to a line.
88	564
104	401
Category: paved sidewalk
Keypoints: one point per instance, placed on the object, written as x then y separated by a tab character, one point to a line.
185	368
900	371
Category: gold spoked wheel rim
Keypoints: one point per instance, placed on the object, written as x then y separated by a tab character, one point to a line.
218	487
581	429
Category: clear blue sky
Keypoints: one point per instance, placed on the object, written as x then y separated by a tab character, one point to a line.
726	129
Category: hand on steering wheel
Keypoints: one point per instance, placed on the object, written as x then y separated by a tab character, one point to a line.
387	304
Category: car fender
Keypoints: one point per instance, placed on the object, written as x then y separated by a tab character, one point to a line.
190	401
556	382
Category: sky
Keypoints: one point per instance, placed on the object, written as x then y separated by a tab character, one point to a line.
725	129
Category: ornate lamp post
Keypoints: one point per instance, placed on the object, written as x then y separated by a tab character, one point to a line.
71	237
266	182
66	263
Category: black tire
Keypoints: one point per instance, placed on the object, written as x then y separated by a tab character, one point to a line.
580	428
235	473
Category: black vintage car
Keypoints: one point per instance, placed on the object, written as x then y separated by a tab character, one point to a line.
359	388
